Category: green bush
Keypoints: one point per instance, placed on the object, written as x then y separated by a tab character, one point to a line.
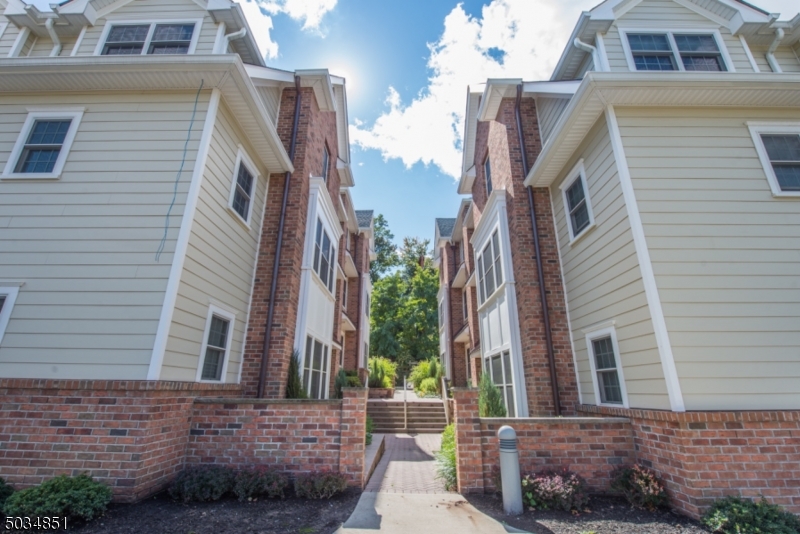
548	490
640	485
382	372
319	485
733	515
368	440
202	483
427	387
5	492
339	383
446	459
354	382
420	372
294	386
77	497
490	399
259	481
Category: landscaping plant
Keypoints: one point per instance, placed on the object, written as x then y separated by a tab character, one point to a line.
382	372
424	370
202	483
322	485
427	388
640	485
490	399
77	497
294	386
446	459
339	383
548	490
733	515
5	492
259	481
368	440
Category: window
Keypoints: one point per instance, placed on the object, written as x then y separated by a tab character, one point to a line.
216	345
8	296
243	187
576	202
669	51
464	303
366	308
606	369
315	369
133	39
499	368
441	314
347	240
43	144
778	147
490	269
324	257
344	293
487	167
325	163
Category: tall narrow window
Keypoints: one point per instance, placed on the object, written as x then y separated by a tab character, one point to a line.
606	369
41	151
315	369
324	257
784	156
487	167
576	202
325	163
499	368
345	290
216	346
490	268
464	303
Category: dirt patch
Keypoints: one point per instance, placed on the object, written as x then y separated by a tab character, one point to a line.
161	515
608	515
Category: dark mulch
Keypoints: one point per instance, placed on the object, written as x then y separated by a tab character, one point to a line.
162	515
608	515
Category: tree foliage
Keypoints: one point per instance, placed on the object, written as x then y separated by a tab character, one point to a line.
385	252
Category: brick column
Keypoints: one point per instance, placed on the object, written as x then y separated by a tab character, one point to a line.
353	435
469	457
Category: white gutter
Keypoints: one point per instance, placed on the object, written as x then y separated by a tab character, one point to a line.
226	41
779	35
580	45
57	46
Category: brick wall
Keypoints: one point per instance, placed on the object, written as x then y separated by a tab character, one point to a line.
289	435
703	456
129	435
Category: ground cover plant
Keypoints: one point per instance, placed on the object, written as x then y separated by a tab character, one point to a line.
733	515
5	492
202	483
259	481
640	485
446	459
77	497
319	485
549	490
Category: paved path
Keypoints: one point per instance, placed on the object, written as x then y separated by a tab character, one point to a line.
403	495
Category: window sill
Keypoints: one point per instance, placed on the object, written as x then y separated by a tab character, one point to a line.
786	194
31	176
580	236
239	218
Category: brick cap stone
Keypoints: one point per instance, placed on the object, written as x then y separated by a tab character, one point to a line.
552	420
245	400
114	385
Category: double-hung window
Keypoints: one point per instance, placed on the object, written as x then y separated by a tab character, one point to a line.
490	269
326	163
324	256
576	202
243	186
43	144
499	368
8	296
315	369
778	147
134	39
669	51
487	169
606	367
216	345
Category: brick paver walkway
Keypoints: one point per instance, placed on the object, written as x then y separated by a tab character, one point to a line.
407	465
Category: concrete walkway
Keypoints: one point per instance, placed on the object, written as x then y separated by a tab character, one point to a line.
403	495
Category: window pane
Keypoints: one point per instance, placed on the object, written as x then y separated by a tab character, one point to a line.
212	365
649	42
653	62
580	218
489	269
510	401
604	353
487	166
507	367
123	49
323	373
38	160
325	163
318	245
696	43
609	387
218	333
575	194
782	147
788	176
2	302
481	288
245	180
49	132
128	34
317	364
315	381
330	273
307	364
498	271
702	63
497	370
173	32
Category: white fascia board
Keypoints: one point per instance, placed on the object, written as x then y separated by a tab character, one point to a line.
269	74
470	129
583	21
467	179
496	90
320	81
551	89
351	211
345	173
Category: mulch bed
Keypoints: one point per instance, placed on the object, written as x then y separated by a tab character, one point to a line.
608	515
162	515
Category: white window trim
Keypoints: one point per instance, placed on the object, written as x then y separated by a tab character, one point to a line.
43	114
228	316
198	26
327	384
597	334
500	288
623	32
10	292
578	173
330	292
759	128
242	157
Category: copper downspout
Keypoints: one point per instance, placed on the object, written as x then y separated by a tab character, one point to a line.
274	285
542	291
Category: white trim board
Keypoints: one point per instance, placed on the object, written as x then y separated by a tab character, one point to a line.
577	173
182	243
759	128
600	333
646	267
10	292
243	159
231	318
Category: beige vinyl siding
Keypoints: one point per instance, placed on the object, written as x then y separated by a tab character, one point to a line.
7	37
760	55
726	254
548	111
271	98
43	46
603	279
155	10
784	55
654	14
219	261
85	245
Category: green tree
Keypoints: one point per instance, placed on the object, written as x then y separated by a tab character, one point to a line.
385	250
387	293
411	251
418	316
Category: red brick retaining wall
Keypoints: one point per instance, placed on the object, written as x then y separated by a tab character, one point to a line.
130	435
288	435
703	456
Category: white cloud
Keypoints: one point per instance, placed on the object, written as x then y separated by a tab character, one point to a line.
259	15
512	38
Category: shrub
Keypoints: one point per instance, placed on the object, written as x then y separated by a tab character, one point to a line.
446	459
420	372
382	372
319	485
490	399
259	481
354	382
202	483
733	515
428	387
550	490
77	497
368	439
339	383
294	386
640	485
5	492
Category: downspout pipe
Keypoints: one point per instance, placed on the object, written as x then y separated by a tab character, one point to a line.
262	379
580	45
539	267
226	41
451	344
57	46
773	63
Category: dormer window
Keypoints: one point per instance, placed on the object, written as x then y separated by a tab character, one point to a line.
149	39
670	51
